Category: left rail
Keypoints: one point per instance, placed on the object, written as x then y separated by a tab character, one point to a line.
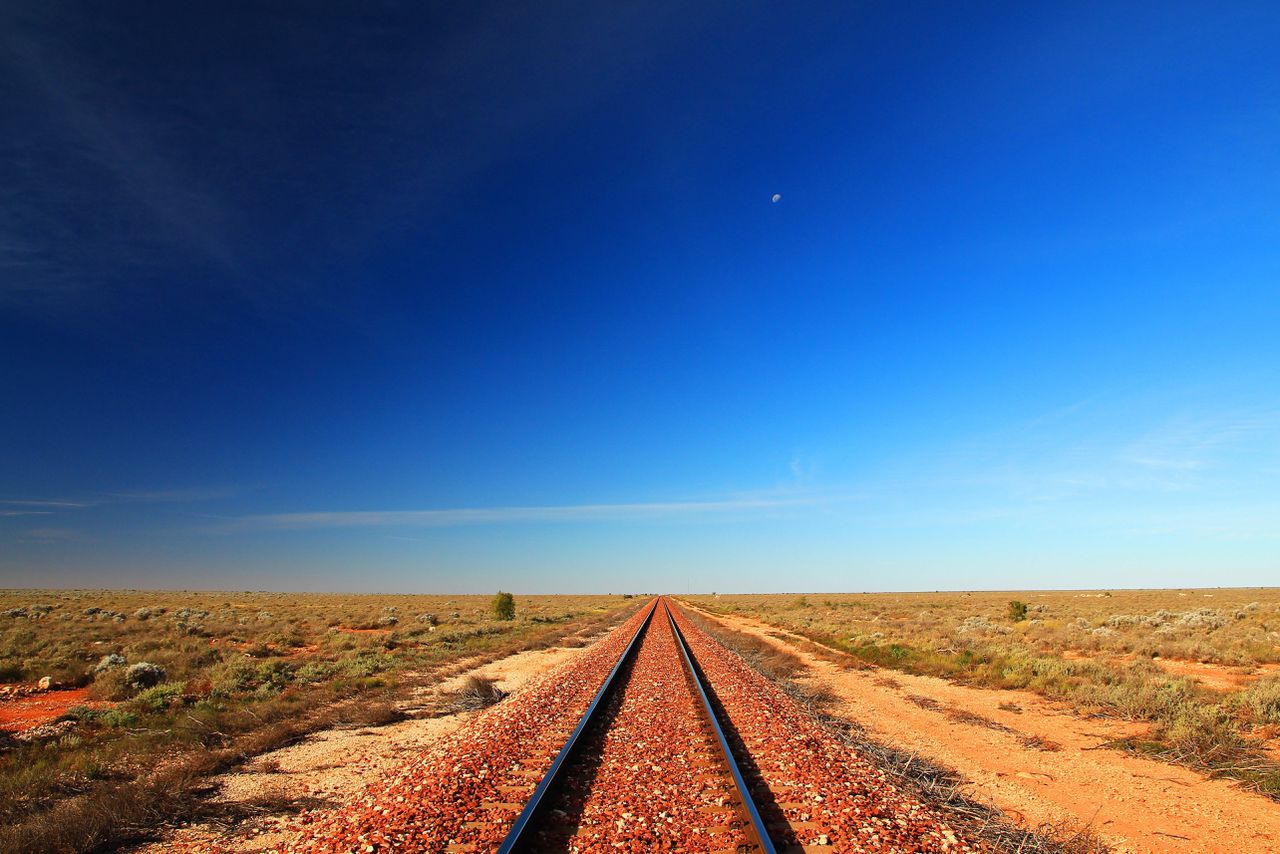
520	835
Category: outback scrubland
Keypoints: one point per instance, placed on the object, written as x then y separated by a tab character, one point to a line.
152	691
1201	667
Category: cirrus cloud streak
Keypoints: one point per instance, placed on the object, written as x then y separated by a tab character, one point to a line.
440	518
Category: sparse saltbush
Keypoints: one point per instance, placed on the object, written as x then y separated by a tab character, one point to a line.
979	623
158	697
1204	618
212	700
110	662
1102	653
144	674
1260	701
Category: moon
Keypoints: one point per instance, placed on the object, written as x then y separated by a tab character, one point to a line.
777	197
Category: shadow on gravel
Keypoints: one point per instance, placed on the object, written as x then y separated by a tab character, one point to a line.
562	809
780	832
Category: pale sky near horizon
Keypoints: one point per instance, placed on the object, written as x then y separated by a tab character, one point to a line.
582	298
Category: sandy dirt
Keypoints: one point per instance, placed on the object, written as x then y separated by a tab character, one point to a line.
1216	676
1134	804
333	766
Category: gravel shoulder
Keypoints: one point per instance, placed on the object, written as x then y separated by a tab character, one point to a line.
1040	763
332	767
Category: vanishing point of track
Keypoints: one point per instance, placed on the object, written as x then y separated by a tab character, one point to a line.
655	738
746	832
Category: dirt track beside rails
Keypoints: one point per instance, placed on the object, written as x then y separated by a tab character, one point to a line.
1040	763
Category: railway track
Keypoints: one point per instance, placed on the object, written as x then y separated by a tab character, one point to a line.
656	738
718	812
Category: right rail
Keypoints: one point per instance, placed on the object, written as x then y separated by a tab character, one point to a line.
757	826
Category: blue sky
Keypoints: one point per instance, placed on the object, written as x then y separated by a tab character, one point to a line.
378	298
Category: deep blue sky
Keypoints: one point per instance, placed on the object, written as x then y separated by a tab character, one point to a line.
362	296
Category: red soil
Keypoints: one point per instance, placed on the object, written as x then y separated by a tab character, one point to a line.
27	712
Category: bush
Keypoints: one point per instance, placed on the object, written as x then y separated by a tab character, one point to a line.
159	697
118	718
316	671
503	606
110	662
1017	611
1261	701
1201	735
232	677
366	663
109	685
478	692
143	675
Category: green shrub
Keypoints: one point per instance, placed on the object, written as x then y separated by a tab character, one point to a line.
503	606
144	674
119	718
1017	611
316	671
159	697
276	674
1261	700
365	664
232	677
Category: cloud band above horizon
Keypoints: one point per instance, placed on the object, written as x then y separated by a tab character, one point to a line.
438	518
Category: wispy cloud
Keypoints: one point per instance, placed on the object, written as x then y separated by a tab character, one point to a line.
1188	444
1095	446
46	506
47	536
440	518
174	496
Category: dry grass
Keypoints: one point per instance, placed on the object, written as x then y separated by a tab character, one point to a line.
477	692
936	785
243	674
1119	653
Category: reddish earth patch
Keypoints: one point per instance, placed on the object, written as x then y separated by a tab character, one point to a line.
1219	677
1215	676
302	651
27	712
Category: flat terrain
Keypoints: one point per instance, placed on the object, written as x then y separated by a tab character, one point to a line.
1039	761
1200	667
150	692
1146	719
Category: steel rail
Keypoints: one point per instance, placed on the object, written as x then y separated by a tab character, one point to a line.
758	828
516	837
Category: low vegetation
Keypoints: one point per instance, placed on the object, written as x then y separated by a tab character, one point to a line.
194	683
940	787
503	606
1201	666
